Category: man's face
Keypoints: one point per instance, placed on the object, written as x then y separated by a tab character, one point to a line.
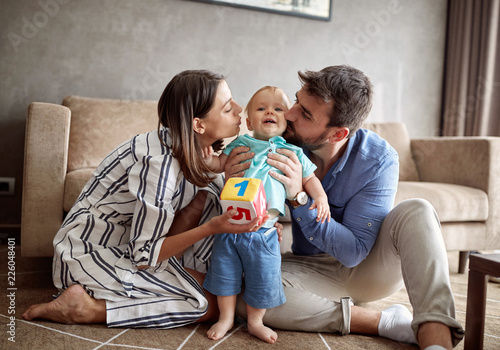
307	121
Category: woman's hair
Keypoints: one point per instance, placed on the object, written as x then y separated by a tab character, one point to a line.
273	89
190	94
349	89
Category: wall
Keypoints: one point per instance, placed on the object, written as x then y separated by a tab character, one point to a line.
130	49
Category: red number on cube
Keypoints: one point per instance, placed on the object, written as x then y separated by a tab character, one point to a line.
247	195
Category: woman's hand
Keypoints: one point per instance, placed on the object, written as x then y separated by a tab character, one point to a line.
288	162
185	231
236	162
221	224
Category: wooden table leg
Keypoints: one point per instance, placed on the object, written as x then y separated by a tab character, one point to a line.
476	307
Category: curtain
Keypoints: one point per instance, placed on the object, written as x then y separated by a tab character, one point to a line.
471	91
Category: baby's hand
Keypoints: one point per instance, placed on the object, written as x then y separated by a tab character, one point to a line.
321	204
207	153
212	160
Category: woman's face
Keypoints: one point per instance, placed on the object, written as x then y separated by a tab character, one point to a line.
223	120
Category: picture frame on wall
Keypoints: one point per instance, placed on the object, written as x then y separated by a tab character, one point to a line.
313	9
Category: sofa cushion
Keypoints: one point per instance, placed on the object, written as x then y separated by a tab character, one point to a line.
453	203
75	180
398	137
93	134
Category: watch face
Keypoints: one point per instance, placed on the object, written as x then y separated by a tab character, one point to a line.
302	198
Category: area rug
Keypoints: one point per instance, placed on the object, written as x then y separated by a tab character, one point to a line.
32	284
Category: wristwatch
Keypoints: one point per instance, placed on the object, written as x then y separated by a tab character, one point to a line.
300	199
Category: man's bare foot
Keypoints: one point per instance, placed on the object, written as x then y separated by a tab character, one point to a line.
262	332
74	305
219	330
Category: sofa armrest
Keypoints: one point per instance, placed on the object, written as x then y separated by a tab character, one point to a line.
45	164
466	161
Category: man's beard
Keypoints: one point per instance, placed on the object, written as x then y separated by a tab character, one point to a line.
310	144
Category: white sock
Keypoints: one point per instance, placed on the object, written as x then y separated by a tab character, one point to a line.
435	347
395	324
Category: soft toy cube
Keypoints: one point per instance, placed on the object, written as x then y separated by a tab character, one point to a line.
247	196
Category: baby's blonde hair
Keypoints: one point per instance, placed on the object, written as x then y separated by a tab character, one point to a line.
273	89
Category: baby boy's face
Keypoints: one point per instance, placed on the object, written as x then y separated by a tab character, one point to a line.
266	115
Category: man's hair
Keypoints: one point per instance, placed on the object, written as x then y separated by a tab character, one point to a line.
190	94
349	89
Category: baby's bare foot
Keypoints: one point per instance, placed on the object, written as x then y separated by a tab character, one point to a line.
262	332
219	329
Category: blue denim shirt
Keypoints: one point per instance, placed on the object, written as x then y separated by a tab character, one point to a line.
361	187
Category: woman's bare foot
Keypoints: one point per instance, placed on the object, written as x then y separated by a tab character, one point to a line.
219	330
74	305
262	332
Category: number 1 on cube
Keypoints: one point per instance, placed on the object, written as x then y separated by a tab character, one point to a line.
243	187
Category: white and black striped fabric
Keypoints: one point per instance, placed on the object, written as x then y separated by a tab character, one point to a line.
119	222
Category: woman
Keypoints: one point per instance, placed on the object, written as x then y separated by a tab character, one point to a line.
115	254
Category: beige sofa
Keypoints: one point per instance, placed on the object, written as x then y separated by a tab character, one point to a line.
64	144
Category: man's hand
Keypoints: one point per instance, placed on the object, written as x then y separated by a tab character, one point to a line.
234	166
288	162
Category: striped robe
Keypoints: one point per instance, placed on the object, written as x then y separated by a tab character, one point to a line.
119	222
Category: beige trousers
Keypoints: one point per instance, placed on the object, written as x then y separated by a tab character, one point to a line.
409	250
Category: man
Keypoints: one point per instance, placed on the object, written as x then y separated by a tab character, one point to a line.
368	249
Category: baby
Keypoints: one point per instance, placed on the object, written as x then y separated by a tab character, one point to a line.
257	254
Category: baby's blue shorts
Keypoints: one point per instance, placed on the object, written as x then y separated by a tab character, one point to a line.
254	256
